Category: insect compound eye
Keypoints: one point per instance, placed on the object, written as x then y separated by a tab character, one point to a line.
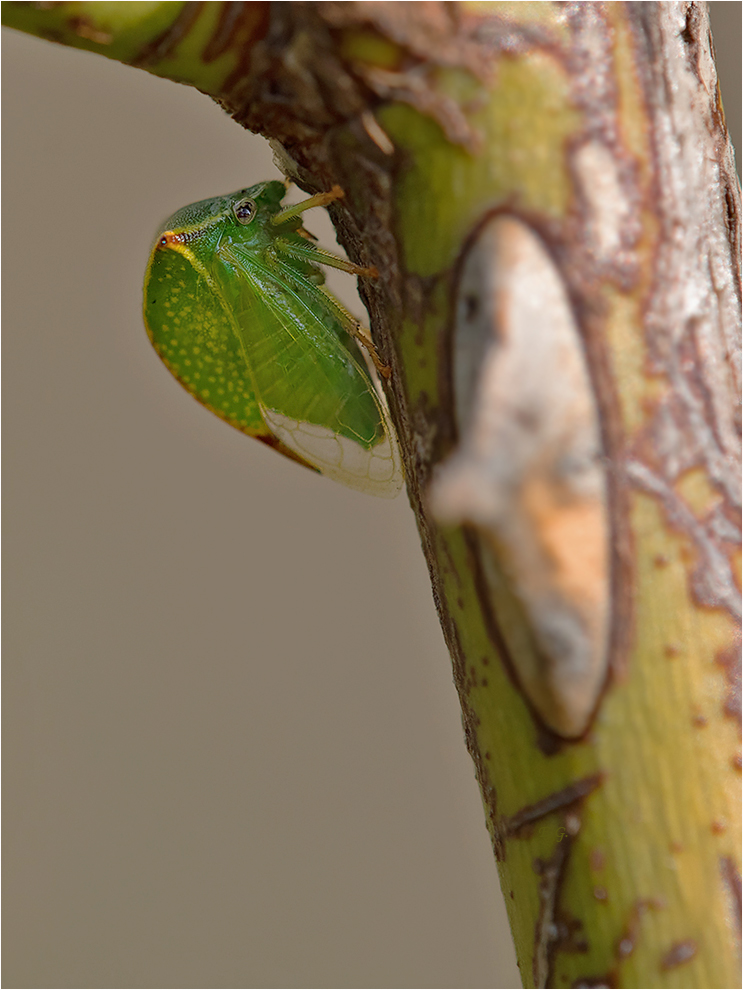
244	211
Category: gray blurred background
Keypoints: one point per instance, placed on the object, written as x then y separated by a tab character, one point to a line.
233	750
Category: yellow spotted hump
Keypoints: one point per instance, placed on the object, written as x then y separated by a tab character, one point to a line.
193	335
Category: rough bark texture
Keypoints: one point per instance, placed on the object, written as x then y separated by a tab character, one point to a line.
598	128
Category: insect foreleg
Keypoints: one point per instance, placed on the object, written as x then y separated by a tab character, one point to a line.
307	251
319	199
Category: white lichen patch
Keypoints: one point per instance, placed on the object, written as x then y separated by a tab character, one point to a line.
608	208
528	473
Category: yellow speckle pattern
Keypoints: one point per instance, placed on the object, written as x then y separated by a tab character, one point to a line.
194	336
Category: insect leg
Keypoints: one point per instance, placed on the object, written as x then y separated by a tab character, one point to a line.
319	199
319	256
355	329
363	338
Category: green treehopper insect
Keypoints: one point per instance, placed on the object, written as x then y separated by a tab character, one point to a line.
235	305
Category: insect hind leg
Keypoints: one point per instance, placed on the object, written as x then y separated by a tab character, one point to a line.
352	326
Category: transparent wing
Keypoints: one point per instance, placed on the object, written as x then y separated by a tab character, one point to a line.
376	470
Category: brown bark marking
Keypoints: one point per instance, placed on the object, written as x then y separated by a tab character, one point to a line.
597	859
732	884
628	939
417	92
570	935
490	798
427	432
555	930
236	19
83	28
450	567
729	660
711	580
161	46
679	953
470	723
546	930
557	801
